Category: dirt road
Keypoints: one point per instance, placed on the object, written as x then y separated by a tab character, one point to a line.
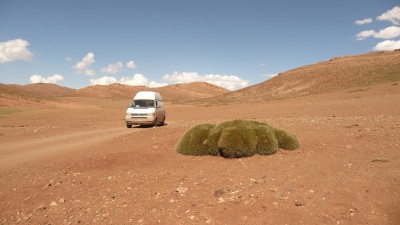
88	168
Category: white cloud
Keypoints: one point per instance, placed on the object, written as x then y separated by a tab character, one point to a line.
388	33
392	15
113	68
68	59
154	84
388	45
83	66
364	34
131	65
139	80
103	81
229	82
13	50
136	80
364	21
52	79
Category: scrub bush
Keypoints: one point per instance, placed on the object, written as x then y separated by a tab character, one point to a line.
235	139
192	143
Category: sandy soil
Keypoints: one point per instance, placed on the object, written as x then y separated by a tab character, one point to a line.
78	163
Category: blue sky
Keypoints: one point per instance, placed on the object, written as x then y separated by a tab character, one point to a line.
233	44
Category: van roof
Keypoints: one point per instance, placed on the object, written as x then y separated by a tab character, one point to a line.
151	95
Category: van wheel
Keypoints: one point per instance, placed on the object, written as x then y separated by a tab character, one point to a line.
155	122
163	122
128	125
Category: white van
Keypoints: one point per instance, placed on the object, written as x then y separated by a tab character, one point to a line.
147	108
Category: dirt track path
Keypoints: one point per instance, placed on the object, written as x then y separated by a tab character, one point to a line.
68	142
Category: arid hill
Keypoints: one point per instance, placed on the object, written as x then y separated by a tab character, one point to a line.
339	73
12	95
176	93
47	90
180	93
110	91
31	94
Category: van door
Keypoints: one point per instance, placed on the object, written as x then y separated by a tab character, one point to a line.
160	111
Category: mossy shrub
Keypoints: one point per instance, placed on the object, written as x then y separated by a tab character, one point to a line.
235	139
192	143
286	141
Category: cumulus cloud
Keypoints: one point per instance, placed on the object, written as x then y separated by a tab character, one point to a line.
388	45
103	81
364	21
113	68
229	82
140	80
392	15
52	79
387	33
365	34
83	66
13	50
136	80
131	65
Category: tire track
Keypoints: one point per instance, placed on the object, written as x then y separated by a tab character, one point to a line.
34	149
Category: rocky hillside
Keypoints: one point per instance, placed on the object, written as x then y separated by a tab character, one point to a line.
48	90
339	73
176	93
12	95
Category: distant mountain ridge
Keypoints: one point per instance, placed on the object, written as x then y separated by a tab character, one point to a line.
339	73
13	94
176	93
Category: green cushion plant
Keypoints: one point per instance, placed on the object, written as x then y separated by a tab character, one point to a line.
235	139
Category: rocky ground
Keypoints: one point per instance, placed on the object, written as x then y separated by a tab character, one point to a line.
77	163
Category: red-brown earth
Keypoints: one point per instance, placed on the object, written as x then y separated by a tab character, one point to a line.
71	159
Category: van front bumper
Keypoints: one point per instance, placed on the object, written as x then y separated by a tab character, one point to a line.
130	120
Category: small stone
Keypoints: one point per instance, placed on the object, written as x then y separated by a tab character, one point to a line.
273	189
219	192
41	207
208	221
299	203
352	212
53	203
62	200
181	190
279	196
191	217
221	200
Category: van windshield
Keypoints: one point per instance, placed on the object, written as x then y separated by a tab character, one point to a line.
143	103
